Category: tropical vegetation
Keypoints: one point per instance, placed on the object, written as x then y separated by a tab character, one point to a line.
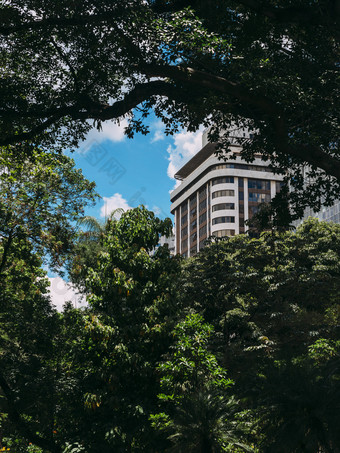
236	349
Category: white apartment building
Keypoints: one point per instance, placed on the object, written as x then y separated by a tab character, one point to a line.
170	241
216	197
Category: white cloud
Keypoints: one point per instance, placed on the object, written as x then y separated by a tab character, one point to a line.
61	292
177	183
157	127
112	203
110	131
156	210
158	135
158	124
186	145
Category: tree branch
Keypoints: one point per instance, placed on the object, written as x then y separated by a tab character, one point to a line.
64	57
305	153
88	109
214	83
17	138
261	104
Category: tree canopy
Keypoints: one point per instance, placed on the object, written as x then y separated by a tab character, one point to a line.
274	304
27	351
270	66
236	349
41	198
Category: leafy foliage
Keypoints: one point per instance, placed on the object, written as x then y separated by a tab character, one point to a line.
270	66
132	297
201	415
41	198
27	353
274	303
144	367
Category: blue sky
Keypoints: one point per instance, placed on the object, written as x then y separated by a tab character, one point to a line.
129	172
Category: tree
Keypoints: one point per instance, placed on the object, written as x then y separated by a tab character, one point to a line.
274	304
269	66
86	380
41	198
132	297
80	380
94	228
152	349
29	325
200	415
87	247
299	402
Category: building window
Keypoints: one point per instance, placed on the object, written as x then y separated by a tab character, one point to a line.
184	232
203	230
220	206
223	193
278	186
193	211
224	180
224	219
184	208
242	167
220	167
202	244
193	225
202	193
258	184
184	245
223	233
223	166
253	210
193	238
258	168
203	205
259	197
203	217
193	251
184	219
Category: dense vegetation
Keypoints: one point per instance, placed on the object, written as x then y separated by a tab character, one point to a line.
236	349
268	65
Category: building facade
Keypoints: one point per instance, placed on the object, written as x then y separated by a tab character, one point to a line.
216	197
170	241
326	213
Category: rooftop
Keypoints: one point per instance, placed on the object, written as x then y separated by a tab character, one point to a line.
195	161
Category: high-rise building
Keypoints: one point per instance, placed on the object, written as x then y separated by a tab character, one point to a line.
216	197
326	213
170	241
